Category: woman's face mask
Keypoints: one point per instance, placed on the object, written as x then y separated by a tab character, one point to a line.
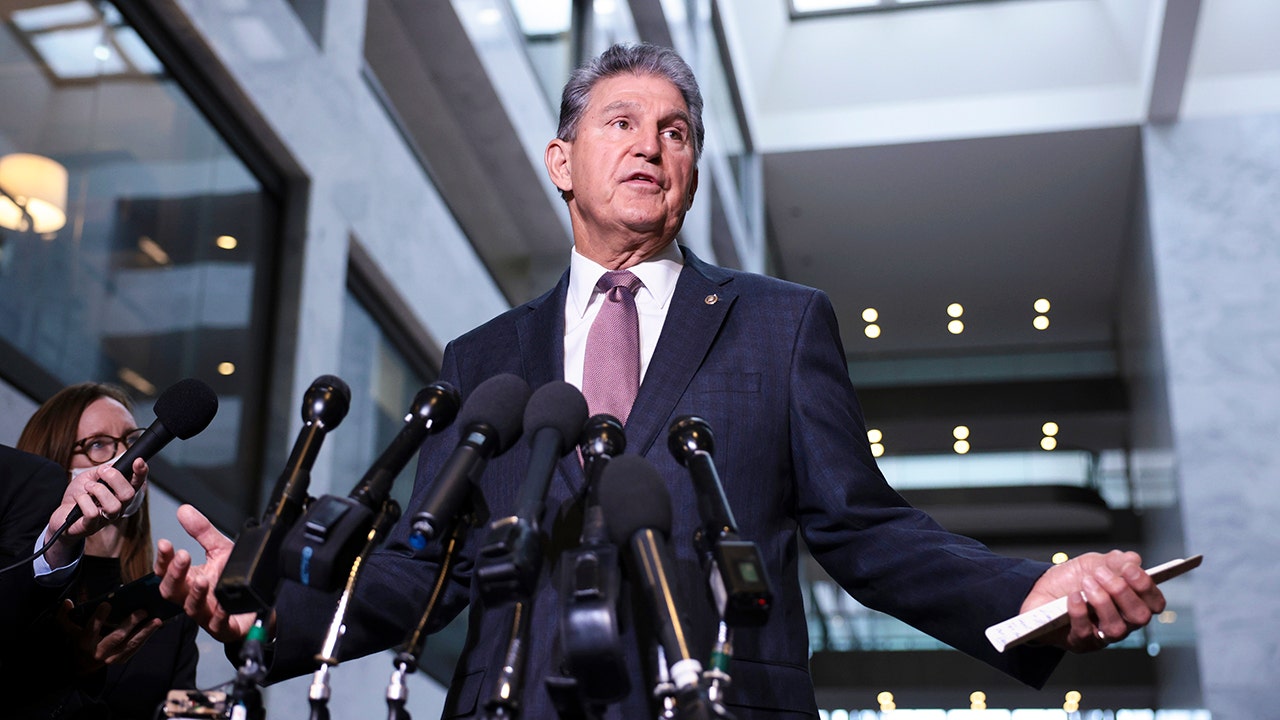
135	504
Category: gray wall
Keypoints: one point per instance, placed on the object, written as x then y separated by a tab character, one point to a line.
1214	204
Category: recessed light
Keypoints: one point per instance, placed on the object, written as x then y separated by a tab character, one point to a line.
1041	322
955	310
955	327
870	315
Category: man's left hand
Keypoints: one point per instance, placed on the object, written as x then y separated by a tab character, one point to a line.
1108	597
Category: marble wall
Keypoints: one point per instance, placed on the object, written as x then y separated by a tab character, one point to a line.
1214	203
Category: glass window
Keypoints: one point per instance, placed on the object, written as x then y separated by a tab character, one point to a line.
383	383
134	242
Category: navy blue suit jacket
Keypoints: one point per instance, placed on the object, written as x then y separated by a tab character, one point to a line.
761	360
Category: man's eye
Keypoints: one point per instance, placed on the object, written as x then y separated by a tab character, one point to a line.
675	134
621	124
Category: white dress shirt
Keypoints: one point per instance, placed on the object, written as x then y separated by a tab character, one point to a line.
659	275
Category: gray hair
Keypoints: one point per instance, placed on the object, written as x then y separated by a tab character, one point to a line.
636	59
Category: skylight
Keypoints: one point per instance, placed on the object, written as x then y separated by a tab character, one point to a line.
804	8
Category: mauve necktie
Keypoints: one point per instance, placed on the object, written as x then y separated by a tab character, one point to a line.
611	368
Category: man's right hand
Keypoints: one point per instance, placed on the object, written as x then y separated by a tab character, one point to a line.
192	585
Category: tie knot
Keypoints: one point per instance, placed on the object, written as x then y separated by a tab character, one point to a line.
618	279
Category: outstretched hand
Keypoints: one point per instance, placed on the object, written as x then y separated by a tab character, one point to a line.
191	586
1108	597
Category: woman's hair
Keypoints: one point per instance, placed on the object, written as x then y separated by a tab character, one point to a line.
51	433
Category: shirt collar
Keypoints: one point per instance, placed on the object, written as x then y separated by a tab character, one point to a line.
659	274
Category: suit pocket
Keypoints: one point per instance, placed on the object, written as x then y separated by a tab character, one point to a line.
769	686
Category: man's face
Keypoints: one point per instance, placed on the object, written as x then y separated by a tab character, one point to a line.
630	171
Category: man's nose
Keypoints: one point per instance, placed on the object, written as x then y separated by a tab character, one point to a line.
648	144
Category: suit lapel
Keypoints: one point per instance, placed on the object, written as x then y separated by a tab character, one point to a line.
541	337
698	308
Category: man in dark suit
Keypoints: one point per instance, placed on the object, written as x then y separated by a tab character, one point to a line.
762	361
30	489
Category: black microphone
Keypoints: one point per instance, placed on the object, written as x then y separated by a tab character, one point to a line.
251	576
183	410
511	557
638	507
739	584
490	420
320	549
590	583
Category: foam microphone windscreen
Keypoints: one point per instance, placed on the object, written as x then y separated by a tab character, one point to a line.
633	496
560	406
499	403
186	408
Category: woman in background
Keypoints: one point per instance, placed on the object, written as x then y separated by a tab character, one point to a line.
81	427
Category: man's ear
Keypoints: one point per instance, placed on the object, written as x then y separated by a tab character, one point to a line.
693	189
556	158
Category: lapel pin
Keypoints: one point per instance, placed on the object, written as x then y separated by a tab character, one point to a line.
711	299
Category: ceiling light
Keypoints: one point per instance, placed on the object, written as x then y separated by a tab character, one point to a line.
872	331
152	249
1041	306
1048	443
874	435
870	315
136	381
1041	322
955	310
33	193
877	449
1059	558
226	368
961	447
1049	428
960	432
226	242
955	327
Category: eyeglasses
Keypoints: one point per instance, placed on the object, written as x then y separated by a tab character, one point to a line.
101	448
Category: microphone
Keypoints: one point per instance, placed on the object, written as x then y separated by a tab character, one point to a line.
249	580
590	583
183	411
511	557
638	507
320	550
490	421
739	583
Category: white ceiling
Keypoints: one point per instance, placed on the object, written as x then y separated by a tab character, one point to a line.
987	153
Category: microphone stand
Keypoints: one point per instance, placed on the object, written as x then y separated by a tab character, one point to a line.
318	694
504	702
245	700
406	661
